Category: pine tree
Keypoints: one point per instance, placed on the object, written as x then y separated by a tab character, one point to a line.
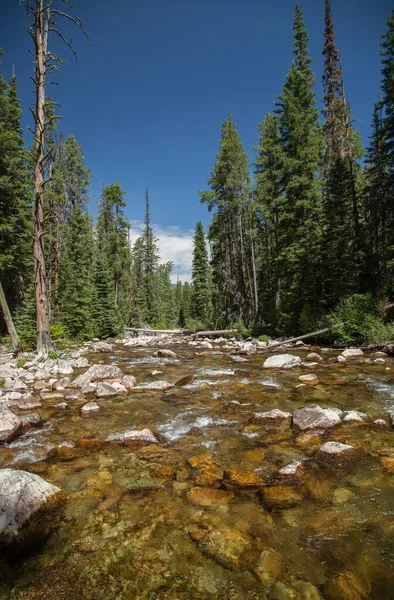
230	197
150	265
383	158
201	301
75	293
15	200
103	301
269	197
300	208
178	300
342	241
113	243
184	316
164	292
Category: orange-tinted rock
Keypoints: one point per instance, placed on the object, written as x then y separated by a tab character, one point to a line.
345	587
166	471
241	478
388	463
208	496
225	545
281	496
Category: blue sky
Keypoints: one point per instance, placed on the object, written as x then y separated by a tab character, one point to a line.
149	92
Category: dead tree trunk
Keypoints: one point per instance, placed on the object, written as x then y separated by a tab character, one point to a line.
44	342
45	19
8	320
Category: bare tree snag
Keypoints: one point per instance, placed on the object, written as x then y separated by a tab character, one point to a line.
44	18
8	320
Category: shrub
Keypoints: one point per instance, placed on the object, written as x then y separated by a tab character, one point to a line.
53	355
59	331
264	338
357	319
20	363
2	383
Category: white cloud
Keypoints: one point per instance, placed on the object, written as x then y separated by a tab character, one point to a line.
174	243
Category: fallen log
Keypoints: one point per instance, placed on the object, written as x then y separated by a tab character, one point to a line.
180	331
298	338
212	333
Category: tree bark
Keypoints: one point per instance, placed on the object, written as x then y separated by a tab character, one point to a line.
8	320
44	342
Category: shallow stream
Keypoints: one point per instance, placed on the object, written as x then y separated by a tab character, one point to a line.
190	518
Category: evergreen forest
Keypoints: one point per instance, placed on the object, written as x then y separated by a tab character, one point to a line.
300	240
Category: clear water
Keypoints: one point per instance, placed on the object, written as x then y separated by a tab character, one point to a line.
134	526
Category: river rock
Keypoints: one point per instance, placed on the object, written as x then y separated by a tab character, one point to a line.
119	387
352	353
10	425
81	363
282	361
205	344
270	566
241	479
40	385
225	545
291	473
164	352
63	383
354	416
100	347
61	367
187	380
272	416
32	420
139	437
90	408
105	390
23	495
129	382
391	419
208	496
62	405
380	423
51	395
345	587
281	496
315	417
28	402
98	373
90	388
314	357
159	385
309	379
73	394
335	449
341	359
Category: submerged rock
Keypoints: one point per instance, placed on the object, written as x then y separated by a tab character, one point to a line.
345	587
225	545
22	495
270	566
10	426
315	417
241	478
309	379
73	394
314	357
281	496
204	496
282	361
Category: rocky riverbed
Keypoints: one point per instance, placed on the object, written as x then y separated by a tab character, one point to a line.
169	468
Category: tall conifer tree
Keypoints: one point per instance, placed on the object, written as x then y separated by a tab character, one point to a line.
201	301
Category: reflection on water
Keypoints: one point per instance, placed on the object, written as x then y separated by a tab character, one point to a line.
203	514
